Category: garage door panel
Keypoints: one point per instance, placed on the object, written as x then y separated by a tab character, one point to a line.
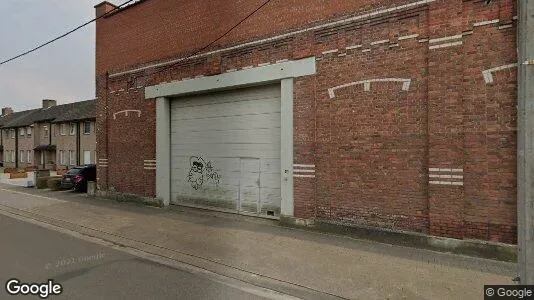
225	150
270	180
270	166
252	136
258	93
257	121
238	150
238	108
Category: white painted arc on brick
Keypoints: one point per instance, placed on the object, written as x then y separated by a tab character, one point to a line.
126	111
446	45
282	36
488	74
483	23
367	84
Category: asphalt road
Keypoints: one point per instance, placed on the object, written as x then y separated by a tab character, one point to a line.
90	271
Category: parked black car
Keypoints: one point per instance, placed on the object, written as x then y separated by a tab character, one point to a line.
77	178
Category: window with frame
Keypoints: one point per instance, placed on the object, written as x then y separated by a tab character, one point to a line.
61	162
87	127
29	154
22	131
72	158
72	128
21	155
62	129
29	132
45	128
12	156
13	133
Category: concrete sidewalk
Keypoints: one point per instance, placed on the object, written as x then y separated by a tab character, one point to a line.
298	262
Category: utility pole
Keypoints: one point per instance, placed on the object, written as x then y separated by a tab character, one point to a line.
525	143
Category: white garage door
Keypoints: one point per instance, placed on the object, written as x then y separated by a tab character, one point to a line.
225	150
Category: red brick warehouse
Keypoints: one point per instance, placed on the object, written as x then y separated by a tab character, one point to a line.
390	114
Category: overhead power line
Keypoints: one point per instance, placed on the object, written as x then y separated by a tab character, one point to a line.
65	34
217	39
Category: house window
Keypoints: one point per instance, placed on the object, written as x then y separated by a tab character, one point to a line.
45	130
22	131
12	133
61	157
29	153
87	127
72	158
29	132
72	128
42	158
62	129
21	156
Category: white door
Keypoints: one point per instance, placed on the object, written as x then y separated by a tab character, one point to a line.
226	150
86	157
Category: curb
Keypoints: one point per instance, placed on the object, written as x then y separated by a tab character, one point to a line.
469	247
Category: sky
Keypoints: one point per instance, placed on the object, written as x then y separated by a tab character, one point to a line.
64	70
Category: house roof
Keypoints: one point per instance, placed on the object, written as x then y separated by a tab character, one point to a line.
77	111
60	113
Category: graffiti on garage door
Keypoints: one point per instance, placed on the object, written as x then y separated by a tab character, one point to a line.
201	172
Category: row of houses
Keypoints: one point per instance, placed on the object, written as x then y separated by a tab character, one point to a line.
52	137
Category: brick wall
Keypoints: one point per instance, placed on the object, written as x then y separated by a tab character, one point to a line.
423	140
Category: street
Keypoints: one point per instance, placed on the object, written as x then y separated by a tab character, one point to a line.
89	271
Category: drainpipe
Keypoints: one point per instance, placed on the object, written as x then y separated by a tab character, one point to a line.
525	147
78	141
16	148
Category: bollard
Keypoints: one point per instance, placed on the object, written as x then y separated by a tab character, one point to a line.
91	188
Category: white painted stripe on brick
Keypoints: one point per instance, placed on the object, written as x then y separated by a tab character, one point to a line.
366	50
342	54
407	37
247	67
379	42
149	160
353	47
446	45
457	170
433	182
433	169
330	51
506	26
423	40
367	84
282	60
445	170
306	176
458	176
112	92
303	166
140	87
121	90
488	76
318	58
303	171
282	36
446	38
394	45
264	64
483	23
457	183
467	33
149	168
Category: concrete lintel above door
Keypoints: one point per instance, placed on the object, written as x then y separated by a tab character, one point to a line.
249	77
